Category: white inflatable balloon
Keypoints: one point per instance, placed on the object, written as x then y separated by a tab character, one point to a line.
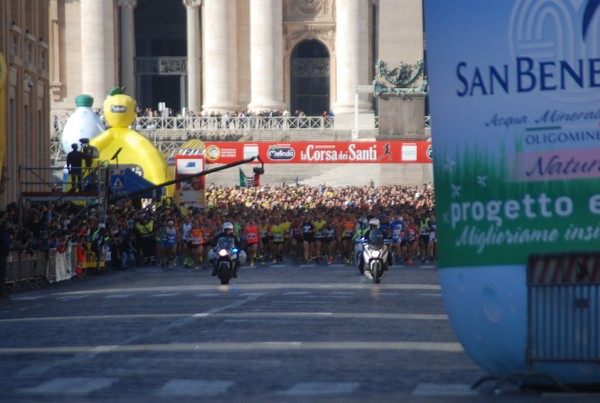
84	123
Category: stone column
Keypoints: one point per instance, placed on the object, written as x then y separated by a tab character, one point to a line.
266	38
352	48
220	56
97	48
194	85
128	46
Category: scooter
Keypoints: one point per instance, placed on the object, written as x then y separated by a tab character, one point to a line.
227	262
375	256
359	247
387	242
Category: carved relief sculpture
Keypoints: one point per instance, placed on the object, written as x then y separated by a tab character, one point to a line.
400	80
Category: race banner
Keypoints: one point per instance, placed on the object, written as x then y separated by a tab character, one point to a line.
377	152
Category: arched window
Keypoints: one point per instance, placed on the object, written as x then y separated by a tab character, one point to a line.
309	78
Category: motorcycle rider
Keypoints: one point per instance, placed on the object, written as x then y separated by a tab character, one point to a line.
360	231
227	231
374	224
386	228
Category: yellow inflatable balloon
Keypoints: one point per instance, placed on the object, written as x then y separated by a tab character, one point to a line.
136	150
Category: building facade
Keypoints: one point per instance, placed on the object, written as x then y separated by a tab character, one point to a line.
24	99
229	56
201	56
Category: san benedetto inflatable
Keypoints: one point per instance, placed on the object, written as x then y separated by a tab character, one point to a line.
515	120
137	152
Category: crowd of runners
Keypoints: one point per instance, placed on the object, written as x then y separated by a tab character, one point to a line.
274	224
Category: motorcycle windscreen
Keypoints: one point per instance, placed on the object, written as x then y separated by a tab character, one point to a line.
376	237
225	243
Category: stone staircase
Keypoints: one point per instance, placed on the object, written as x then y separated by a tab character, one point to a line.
307	135
307	174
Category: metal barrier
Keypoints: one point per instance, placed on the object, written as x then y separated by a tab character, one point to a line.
27	267
563	308
563	316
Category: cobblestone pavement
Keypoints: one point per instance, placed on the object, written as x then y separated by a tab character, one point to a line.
277	333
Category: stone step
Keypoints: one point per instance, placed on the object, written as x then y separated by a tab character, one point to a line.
330	174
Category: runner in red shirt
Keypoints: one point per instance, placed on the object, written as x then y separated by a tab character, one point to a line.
252	239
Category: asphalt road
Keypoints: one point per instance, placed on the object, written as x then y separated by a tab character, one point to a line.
277	333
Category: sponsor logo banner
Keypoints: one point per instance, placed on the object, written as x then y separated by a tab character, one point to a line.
322	152
515	106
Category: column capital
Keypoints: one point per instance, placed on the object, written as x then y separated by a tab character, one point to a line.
192	3
127	3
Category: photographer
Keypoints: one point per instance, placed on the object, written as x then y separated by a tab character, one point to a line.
89	153
74	165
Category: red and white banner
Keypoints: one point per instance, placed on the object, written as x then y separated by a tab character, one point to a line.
568	269
298	152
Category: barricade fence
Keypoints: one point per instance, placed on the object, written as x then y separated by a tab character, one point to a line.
564	308
52	266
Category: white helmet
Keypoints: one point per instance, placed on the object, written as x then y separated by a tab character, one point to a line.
374	222
228	225
362	220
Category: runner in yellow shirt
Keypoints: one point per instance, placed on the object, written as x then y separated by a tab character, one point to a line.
320	222
278	238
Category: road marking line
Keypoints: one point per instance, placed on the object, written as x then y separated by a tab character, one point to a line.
26	297
192	387
257	286
243	346
432	389
321	388
385	316
69	386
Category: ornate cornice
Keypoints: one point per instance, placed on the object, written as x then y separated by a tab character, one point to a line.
127	3
310	7
307	8
192	3
324	33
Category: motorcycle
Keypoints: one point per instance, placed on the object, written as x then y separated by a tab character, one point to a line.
390	256
359	247
227	262
375	256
